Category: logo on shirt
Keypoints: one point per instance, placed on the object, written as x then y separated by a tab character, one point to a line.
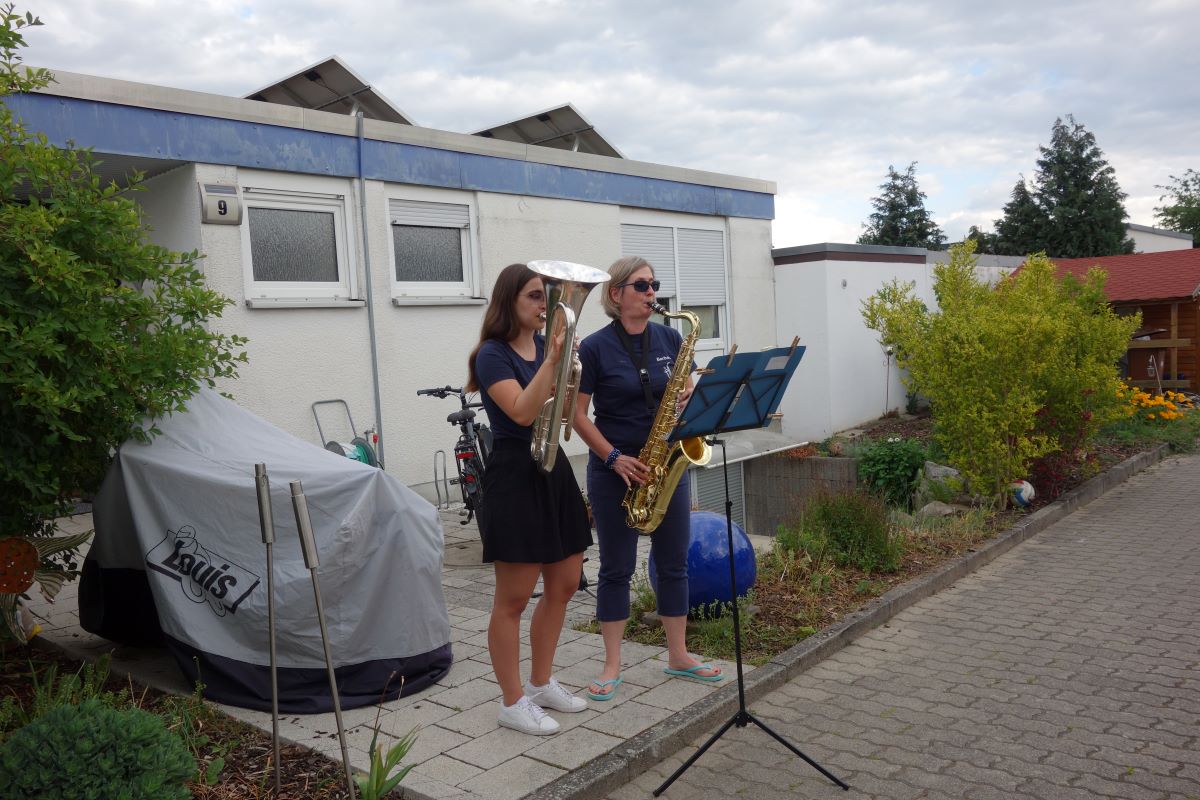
668	366
202	574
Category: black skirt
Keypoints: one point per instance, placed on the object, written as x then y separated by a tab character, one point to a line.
528	517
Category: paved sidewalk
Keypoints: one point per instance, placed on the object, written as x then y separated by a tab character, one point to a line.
460	752
1068	668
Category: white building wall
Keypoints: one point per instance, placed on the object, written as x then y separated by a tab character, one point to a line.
301	355
801	310
1157	240
845	378
171	208
752	288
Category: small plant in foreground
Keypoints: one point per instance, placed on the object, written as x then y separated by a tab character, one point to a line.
380	780
891	467
90	750
852	527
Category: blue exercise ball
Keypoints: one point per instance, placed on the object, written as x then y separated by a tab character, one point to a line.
708	561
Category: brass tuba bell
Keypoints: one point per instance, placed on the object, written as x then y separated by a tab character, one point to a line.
567	286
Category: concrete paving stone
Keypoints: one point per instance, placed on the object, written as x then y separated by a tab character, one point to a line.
1115	743
475	622
494	748
444	769
1126	789
513	779
837	744
464	651
679	693
573	748
629	720
417	785
473	722
1140	762
570	653
577	719
464	670
935	784
468	695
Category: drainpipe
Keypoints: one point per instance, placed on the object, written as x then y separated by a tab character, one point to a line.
366	249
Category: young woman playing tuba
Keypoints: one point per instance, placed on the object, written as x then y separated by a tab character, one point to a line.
533	523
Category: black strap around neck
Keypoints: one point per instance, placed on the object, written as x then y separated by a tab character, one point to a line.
641	364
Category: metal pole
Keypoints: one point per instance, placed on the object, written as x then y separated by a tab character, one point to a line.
267	523
309	546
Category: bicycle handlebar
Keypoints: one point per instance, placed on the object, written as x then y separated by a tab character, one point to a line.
442	391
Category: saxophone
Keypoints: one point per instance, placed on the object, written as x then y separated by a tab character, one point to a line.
646	505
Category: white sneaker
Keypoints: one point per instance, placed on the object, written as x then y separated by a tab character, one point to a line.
555	697
526	716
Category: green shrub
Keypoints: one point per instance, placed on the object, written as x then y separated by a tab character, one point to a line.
92	751
1012	372
849	528
99	328
891	467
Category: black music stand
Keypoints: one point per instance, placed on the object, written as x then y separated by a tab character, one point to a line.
737	392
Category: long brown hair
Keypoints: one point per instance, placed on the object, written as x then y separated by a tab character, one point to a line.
500	317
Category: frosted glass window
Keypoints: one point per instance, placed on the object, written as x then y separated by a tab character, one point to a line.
293	246
710	321
428	253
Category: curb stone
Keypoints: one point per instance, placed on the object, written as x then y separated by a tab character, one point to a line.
609	772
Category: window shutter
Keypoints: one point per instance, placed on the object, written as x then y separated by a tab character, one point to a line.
701	267
656	245
431	215
709	491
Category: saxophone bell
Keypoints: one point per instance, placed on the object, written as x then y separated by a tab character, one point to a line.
567	286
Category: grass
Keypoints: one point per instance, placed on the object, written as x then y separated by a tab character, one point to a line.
795	595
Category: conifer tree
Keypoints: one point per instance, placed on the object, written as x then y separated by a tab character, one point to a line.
1022	227
900	217
1078	191
1076	208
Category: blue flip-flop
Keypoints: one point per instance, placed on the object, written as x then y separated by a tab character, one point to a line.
614	683
690	672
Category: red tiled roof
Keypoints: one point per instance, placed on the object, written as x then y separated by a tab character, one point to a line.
1169	275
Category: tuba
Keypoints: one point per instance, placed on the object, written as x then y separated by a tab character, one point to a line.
567	286
646	505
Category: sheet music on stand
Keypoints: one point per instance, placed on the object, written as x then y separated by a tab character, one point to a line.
738	392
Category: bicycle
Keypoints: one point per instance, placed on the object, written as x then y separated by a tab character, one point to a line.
472	449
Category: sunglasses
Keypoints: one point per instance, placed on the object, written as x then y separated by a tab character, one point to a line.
642	286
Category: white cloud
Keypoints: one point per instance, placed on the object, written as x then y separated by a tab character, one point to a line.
817	96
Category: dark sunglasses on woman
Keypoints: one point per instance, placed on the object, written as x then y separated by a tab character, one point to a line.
642	286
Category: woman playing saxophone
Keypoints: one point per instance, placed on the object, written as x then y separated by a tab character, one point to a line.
627	366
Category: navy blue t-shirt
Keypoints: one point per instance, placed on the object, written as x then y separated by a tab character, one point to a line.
612	381
496	362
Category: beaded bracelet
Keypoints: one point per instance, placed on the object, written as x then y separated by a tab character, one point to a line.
612	458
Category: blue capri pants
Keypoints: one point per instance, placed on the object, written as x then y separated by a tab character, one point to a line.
618	547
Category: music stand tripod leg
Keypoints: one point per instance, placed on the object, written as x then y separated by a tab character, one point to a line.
741	716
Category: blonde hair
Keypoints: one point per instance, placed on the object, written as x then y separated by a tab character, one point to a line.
618	273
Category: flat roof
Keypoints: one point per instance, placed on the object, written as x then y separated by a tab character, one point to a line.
183	101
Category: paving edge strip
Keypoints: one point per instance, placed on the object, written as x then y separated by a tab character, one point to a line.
621	765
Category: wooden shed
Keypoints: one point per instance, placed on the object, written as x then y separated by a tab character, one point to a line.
1165	287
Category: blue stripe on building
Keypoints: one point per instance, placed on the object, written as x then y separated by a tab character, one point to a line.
132	131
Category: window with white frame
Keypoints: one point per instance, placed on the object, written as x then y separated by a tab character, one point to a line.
295	249
432	247
689	263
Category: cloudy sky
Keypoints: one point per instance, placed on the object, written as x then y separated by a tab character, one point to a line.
816	95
